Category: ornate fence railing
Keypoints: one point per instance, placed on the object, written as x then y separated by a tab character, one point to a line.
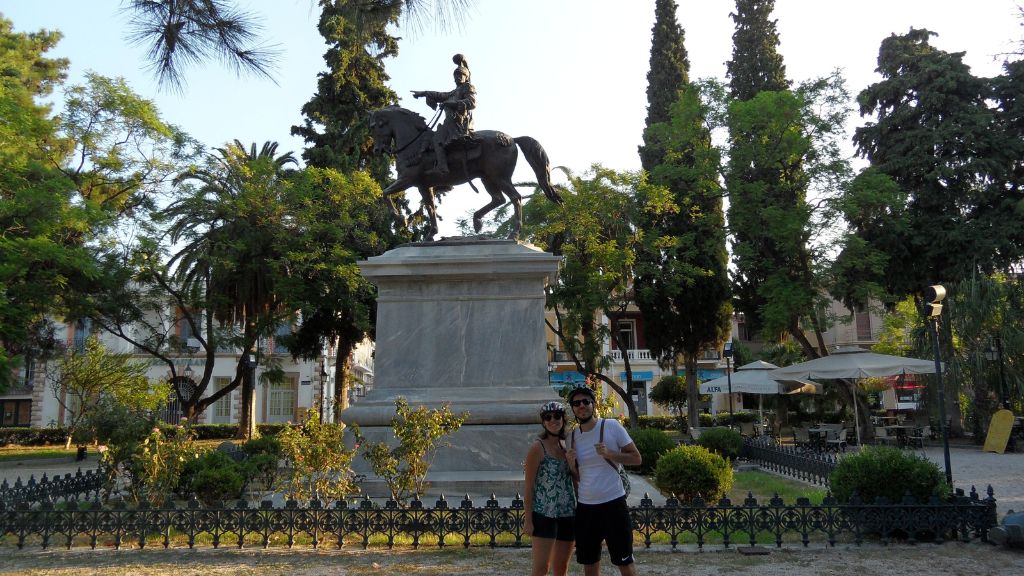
77	486
365	523
807	465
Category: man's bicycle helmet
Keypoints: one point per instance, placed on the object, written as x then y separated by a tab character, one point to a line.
581	388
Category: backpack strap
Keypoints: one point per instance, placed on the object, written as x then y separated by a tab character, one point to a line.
600	438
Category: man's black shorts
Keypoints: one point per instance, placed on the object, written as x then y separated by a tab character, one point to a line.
556	528
608	522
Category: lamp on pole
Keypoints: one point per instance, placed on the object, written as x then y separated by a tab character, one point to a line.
934	295
727	352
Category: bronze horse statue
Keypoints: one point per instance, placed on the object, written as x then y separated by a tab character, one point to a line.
490	156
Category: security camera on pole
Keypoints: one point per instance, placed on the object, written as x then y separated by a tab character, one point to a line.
934	295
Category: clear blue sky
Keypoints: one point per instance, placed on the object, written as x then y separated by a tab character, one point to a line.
570	73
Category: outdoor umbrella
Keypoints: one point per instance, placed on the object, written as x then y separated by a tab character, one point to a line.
852	362
755	378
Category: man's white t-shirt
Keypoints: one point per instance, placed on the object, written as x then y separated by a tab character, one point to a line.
599	482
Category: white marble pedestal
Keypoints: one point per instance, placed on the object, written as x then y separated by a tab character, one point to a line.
461	322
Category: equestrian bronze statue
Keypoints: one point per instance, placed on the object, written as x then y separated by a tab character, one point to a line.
455	154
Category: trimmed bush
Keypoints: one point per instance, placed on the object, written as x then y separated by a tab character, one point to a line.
214	431
651	443
659	422
887	472
723	441
32	436
688	472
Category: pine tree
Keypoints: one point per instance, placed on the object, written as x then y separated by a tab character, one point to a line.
670	71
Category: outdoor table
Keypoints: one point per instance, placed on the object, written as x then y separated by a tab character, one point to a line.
818	436
900	431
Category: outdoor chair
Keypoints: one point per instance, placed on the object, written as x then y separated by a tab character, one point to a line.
836	441
919	436
801	437
882	437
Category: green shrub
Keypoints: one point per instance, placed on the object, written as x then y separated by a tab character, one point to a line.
217	477
725	442
651	443
688	472
890	472
212	477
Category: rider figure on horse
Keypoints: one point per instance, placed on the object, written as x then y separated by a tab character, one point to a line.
458	108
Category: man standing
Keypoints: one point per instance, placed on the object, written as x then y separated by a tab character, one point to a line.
601	510
458	111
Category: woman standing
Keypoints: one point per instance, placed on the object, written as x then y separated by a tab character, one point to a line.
549	500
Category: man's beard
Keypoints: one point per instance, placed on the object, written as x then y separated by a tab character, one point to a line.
584	420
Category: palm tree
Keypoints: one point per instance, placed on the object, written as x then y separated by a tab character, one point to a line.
229	227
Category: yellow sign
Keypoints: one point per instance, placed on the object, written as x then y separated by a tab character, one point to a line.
999	431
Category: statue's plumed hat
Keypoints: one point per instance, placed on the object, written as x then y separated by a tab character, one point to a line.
463	66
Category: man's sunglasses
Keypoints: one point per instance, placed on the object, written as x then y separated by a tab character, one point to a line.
581	402
551	416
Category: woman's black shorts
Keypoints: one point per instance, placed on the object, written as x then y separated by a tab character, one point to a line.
557	528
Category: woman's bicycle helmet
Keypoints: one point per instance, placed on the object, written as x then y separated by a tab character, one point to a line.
552	407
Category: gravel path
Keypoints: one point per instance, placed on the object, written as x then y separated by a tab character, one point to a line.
952	558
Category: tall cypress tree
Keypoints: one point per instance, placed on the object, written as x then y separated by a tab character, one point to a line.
756	64
682	284
760	185
353	86
670	71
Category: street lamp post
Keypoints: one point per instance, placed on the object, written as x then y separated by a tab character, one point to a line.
250	362
933	310
727	352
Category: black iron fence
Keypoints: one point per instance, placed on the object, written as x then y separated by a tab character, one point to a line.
800	463
70	486
366	523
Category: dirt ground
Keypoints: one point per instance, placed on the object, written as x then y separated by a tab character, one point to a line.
952	558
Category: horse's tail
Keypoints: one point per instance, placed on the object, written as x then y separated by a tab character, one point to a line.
538	160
